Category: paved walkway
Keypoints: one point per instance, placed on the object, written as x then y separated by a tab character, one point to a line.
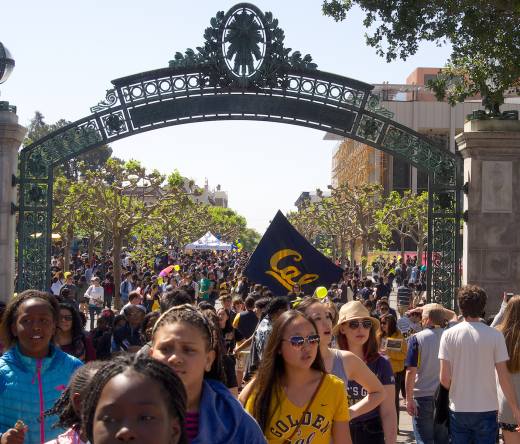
405	420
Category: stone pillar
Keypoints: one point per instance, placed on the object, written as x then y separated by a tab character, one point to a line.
491	255
11	137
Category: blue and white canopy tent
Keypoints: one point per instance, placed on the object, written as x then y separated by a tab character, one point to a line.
209	242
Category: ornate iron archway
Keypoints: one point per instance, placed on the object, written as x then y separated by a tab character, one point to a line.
242	72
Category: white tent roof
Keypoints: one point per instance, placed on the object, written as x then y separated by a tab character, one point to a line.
208	242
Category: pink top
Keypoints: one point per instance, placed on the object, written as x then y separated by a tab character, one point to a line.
69	437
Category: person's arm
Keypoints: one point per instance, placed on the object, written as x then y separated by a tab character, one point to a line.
359	372
246	392
500	315
245	344
411	372
504	379
389	415
341	433
445	373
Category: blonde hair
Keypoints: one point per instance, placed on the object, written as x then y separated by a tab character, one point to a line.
510	328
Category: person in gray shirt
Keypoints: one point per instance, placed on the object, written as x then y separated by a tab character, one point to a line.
422	375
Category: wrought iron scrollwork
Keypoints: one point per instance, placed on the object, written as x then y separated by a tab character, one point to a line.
110	101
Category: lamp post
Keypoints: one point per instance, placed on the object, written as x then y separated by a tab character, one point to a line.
11	137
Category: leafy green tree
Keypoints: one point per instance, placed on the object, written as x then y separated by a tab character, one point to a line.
226	224
124	195
250	239
305	221
406	214
360	205
71	169
66	213
483	35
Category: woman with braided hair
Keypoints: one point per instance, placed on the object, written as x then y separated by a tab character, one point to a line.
183	339
135	399
68	405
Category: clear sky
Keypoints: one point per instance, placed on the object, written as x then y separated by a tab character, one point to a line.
67	52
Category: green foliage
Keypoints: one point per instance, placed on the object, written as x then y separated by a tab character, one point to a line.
249	239
407	214
71	169
483	35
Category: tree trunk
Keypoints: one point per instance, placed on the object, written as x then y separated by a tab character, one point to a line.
352	243
91	242
116	259
402	238
364	254
342	250
66	248
420	251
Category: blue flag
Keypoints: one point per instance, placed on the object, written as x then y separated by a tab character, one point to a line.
284	258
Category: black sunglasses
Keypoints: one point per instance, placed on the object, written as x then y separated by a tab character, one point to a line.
354	325
298	341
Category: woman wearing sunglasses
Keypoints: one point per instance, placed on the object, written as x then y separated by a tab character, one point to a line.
293	399
357	332
343	364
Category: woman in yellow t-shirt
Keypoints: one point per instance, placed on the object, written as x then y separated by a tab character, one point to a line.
394	346
293	399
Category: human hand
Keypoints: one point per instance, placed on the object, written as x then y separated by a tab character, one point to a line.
411	407
13	436
516	415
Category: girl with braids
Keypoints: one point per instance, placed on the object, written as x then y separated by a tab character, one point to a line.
292	397
139	400
70	336
182	338
32	371
68	406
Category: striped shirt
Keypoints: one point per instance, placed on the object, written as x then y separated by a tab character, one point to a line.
191	425
404	294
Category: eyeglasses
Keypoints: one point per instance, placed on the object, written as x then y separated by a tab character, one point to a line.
67	318
298	341
366	323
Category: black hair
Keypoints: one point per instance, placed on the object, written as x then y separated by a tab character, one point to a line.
77	335
151	317
172	388
196	318
11	313
276	304
174	298
64	406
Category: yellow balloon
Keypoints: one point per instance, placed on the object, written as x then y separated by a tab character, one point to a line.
321	292
176	267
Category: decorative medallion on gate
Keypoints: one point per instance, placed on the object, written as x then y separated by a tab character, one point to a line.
245	39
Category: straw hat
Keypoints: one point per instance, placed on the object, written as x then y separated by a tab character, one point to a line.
354	310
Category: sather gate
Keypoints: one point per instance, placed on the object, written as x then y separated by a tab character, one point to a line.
242	72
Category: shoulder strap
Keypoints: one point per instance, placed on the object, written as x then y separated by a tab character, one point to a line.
288	440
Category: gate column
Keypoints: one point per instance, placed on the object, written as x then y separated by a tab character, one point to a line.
11	137
491	254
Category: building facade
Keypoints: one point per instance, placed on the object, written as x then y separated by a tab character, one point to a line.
414	106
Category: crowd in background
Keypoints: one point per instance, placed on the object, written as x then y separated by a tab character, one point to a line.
248	365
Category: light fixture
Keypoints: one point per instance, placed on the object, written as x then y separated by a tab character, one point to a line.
6	63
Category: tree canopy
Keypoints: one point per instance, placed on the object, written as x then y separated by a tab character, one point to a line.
483	34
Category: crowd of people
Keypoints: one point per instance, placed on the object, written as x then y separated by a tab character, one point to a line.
195	353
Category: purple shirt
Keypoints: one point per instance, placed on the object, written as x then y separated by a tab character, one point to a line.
383	370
